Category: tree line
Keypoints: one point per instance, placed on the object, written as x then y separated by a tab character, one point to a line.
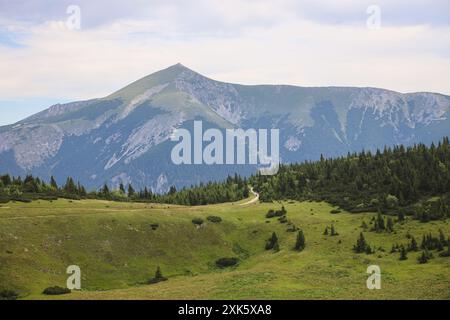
395	180
30	188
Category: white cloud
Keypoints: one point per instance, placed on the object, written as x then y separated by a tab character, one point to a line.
262	42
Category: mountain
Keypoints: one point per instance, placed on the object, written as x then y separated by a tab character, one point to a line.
125	137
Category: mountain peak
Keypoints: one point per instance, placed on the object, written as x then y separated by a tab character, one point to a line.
157	78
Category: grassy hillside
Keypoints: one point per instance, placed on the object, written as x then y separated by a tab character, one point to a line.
118	251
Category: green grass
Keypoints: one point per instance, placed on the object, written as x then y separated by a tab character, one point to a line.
117	251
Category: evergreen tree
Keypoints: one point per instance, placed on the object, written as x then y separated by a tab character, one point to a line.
272	242
131	191
424	257
413	245
403	253
390	224
300	242
364	225
442	238
400	215
379	223
361	244
158	276
53	183
105	191
333	231
172	190
70	186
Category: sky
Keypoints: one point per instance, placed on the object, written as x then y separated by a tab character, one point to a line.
60	51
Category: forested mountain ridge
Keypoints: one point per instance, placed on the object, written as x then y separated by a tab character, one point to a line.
125	137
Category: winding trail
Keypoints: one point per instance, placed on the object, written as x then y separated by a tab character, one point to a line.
255	199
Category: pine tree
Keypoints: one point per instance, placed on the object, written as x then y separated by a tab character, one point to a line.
390	225
403	253
131	191
400	216
272	242
172	190
424	257
333	231
361	244
413	245
325	233
442	237
105	191
158	276
70	187
300	242
122	188
379	223
53	183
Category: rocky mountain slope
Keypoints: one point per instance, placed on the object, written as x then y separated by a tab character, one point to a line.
125	137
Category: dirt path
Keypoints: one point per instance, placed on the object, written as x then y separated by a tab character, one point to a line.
255	199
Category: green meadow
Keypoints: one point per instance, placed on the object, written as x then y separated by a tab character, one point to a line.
118	247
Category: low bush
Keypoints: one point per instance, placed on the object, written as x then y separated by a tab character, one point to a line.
158	277
56	290
197	221
8	295
214	219
226	262
278	213
154	226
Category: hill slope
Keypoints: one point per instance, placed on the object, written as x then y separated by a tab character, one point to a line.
118	251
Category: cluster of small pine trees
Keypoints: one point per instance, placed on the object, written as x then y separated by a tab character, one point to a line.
429	243
380	224
332	231
362	246
300	242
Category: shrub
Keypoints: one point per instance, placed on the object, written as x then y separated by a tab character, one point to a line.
272	242
279	213
282	219
197	221
426	255
362	246
158	277
391	201
214	219
334	211
154	226
8	295
56	290
21	199
226	262
300	242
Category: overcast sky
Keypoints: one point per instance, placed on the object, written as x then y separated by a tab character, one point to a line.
45	58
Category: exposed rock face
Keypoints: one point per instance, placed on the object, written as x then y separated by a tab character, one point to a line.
125	137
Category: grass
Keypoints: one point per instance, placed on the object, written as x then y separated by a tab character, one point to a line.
118	252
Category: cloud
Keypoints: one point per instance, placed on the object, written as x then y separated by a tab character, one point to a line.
289	42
